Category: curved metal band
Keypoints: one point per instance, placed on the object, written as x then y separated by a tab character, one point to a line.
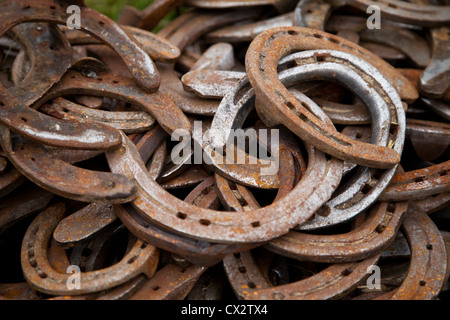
51	173
372	237
157	206
168	115
425	276
366	184
331	283
261	67
50	56
138	62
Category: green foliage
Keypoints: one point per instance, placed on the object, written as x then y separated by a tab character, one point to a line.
112	8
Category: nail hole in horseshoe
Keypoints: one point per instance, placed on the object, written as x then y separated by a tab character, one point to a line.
390	207
237	255
292	32
143	245
155	288
181	215
358	135
429	247
242	269
422	283
52	7
204	222
256	224
23	119
443	173
26	7
101	23
251	285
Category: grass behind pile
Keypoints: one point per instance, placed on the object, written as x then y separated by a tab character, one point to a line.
112	8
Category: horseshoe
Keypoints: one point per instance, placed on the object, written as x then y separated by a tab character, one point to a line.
158	48
10	179
352	198
183	31
219	56
247	32
194	175
430	139
414	76
142	258
149	17
439	107
51	131
189	27
216	84
197	252
90	255
433	203
22	204
312	14
404	40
